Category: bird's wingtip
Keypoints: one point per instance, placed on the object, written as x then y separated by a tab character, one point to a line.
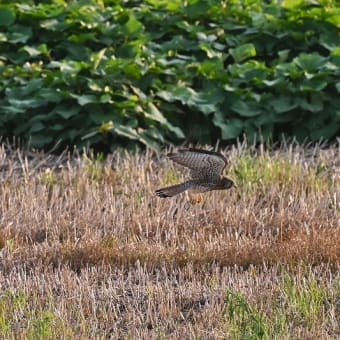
161	193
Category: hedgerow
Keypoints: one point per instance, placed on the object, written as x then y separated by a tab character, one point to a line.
117	73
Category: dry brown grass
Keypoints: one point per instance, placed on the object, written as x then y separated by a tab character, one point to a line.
88	251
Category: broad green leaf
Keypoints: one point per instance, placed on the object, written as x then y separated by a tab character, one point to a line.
283	55
39	141
105	98
155	134
310	62
291	4
37	126
243	52
211	68
326	132
132	70
251	131
85	99
290	116
283	104
132	26
57	127
337	86
246	109
76	51
3	37
67	111
32	86
125	131
26	103
131	133
268	67
313	104
51	95
208	38
19	34
32	51
12	110
153	112
266	132
335	19
181	93
196	8
210	51
71	134
329	40
231	131
273	83
147	138
230	128
287	70
98	57
65	67
52	24
100	114
316	84
201	102
7	16
249	70
336	51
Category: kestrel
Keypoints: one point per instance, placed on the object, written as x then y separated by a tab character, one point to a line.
206	168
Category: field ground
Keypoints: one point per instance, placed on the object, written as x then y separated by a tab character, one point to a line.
88	251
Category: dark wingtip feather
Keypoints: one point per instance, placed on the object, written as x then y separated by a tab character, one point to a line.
161	193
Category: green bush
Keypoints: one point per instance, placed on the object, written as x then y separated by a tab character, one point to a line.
113	73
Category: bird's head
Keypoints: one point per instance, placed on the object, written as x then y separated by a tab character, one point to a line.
227	183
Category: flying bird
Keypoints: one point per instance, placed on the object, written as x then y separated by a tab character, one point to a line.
206	168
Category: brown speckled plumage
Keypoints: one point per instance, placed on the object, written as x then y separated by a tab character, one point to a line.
206	168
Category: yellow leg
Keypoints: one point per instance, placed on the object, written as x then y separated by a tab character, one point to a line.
195	198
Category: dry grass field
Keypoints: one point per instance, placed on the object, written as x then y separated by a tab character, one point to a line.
89	252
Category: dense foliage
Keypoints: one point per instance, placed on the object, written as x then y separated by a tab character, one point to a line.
110	73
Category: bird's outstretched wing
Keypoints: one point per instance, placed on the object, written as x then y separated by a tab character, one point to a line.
206	165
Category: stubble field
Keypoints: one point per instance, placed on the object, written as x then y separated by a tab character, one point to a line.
88	250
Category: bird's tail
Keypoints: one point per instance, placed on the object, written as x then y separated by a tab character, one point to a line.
173	189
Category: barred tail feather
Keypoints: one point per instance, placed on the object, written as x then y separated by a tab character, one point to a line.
173	190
